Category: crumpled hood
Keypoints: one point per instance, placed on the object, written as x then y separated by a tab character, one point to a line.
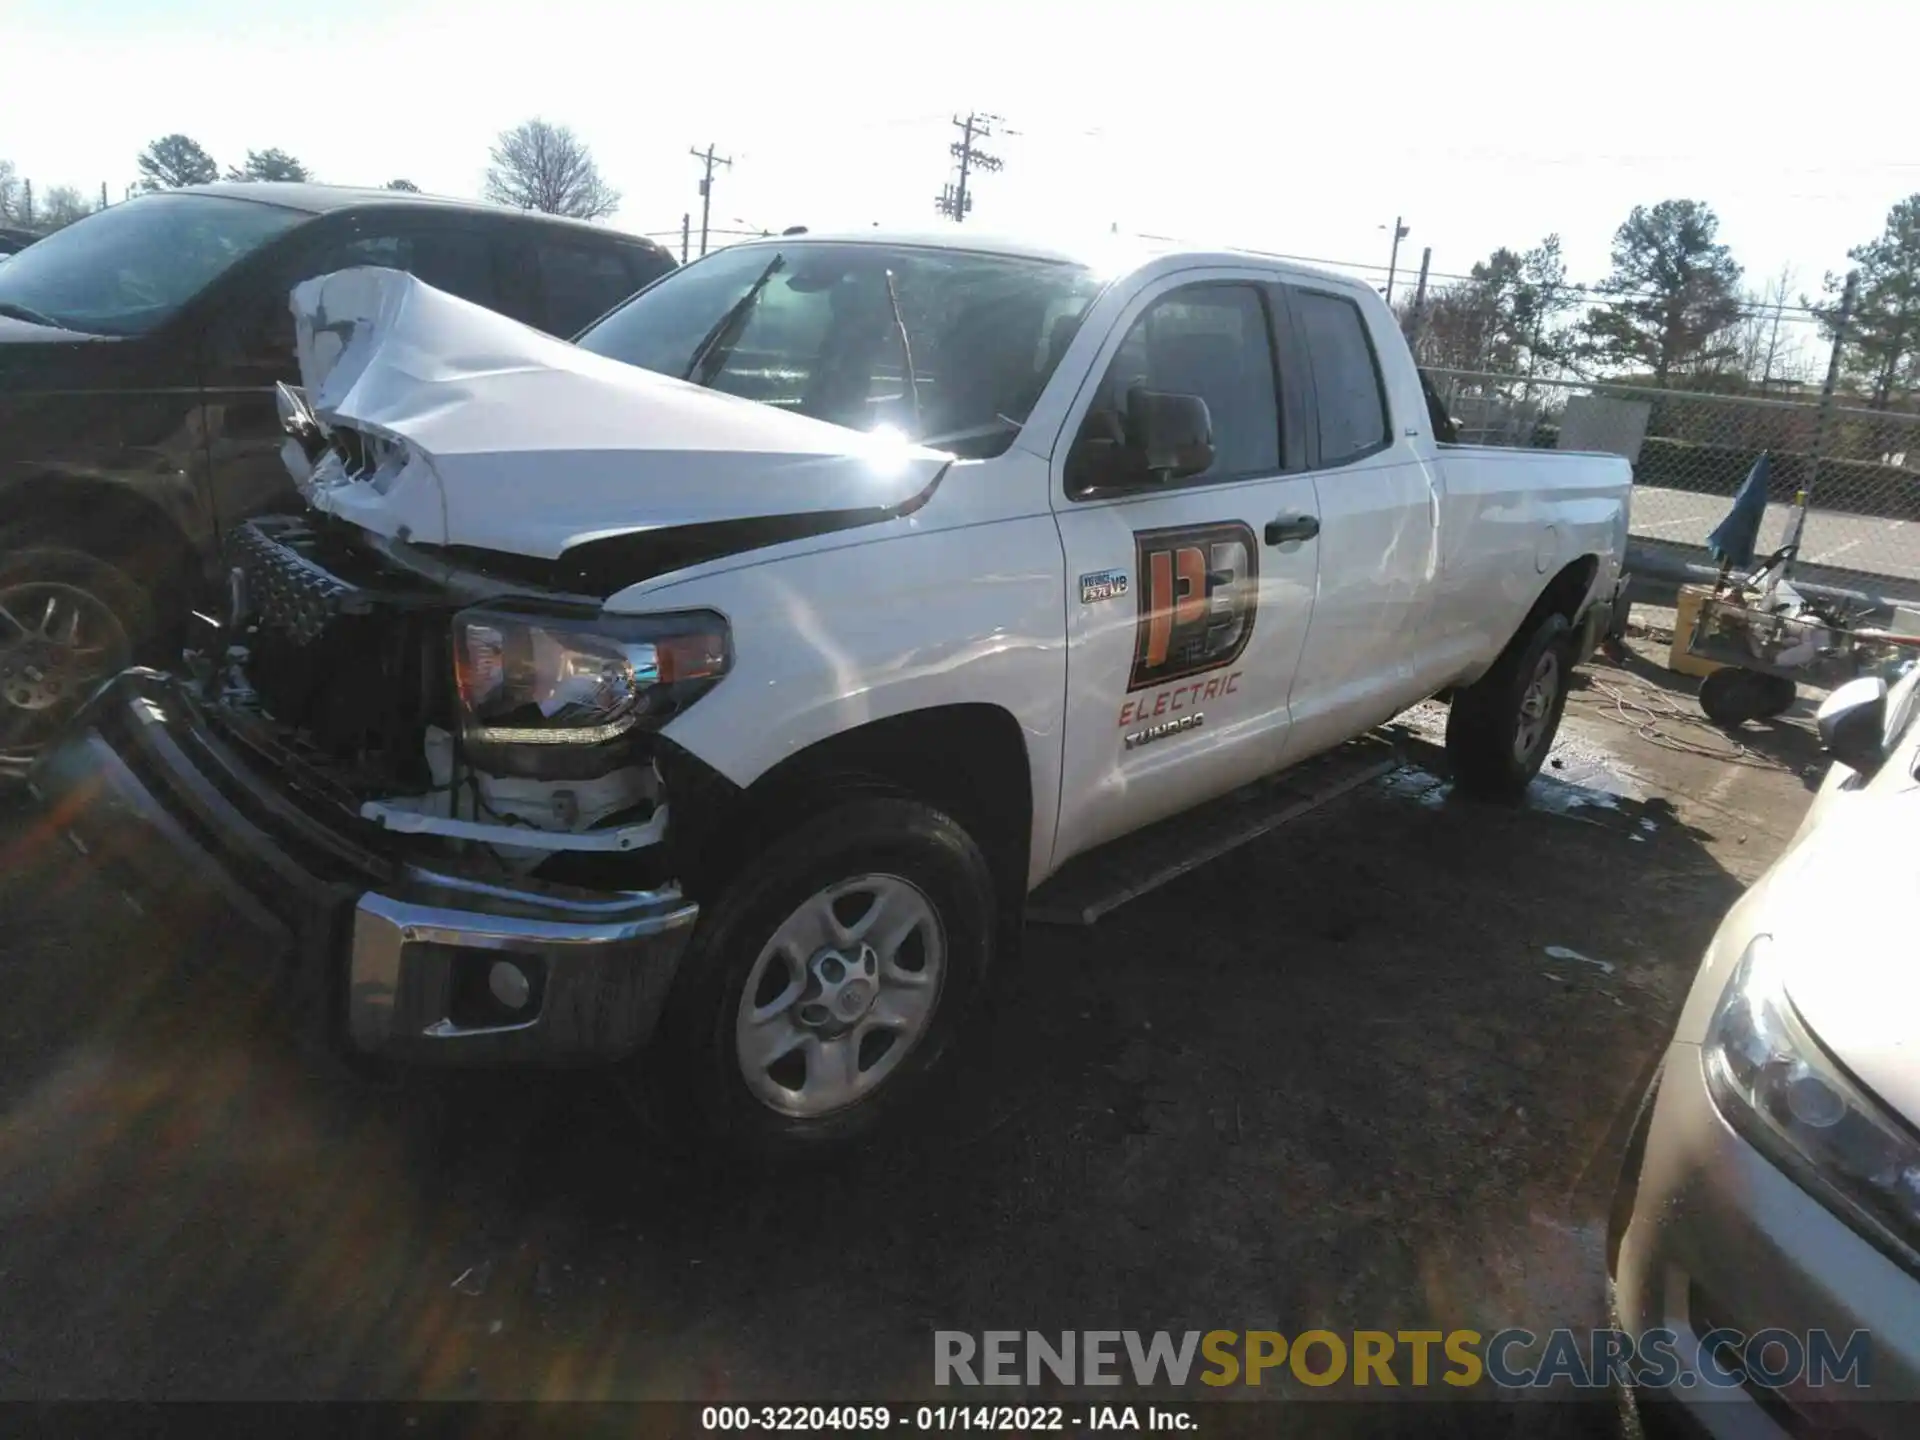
1840	911
505	439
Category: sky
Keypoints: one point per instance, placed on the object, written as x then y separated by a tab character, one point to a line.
1301	130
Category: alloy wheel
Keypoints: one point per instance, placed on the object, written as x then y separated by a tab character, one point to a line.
839	995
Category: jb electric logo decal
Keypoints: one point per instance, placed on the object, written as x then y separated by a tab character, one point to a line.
1199	587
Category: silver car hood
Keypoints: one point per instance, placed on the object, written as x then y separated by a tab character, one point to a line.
1840	908
488	434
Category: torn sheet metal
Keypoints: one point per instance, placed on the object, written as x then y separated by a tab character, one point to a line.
489	434
404	819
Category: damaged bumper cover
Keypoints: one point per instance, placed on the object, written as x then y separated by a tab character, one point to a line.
403	960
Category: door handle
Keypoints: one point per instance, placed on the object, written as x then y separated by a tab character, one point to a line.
1292	527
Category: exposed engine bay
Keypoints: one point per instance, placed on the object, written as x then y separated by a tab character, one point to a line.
344	660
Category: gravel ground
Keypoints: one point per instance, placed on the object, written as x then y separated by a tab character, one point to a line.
1333	1079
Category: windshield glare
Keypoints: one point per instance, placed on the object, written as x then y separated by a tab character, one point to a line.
125	269
821	338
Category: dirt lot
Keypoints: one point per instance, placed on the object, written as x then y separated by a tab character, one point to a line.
1335	1079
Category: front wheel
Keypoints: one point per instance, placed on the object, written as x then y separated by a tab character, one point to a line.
68	621
825	985
1500	728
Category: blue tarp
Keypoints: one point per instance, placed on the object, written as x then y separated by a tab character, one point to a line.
1733	539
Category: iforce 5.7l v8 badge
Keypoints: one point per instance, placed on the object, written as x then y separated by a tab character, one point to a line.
1103	585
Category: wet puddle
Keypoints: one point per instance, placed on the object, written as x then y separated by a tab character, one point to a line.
1580	781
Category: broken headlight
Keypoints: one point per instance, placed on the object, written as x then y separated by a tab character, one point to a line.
527	679
1777	1086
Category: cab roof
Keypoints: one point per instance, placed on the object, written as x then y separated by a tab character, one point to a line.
317	199
1109	252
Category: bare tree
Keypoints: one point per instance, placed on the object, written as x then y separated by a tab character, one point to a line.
62	206
173	161
1506	316
9	191
541	166
1768	343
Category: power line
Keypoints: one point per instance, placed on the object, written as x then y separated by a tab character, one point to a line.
709	160
954	201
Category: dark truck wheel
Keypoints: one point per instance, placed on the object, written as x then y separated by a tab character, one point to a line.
68	620
1730	696
1500	728
825	984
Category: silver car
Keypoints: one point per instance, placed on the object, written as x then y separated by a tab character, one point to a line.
1770	1201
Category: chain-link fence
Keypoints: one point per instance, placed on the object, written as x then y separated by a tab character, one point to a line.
1691	450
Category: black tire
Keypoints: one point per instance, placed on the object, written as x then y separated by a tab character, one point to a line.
1781	693
691	1079
32	568
1730	696
1486	719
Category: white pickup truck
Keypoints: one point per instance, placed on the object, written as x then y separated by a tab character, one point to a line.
708	694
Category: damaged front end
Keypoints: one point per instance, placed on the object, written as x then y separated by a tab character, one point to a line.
513	726
418	750
438	793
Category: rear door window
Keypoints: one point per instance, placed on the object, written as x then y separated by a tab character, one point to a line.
355	243
580	283
518	292
458	261
646	266
1349	401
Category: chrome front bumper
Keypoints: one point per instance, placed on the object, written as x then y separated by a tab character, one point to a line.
602	966
393	957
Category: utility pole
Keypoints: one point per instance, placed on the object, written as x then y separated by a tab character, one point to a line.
954	201
1419	314
103	194
1393	260
686	223
709	160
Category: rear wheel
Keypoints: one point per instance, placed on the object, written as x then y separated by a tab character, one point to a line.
823	987
1500	728
68	621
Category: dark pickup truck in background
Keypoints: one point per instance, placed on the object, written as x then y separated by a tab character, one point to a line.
139	349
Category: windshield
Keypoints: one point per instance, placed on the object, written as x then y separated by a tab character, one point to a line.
125	269
820	333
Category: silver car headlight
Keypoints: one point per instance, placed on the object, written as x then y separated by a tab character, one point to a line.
529	679
1775	1084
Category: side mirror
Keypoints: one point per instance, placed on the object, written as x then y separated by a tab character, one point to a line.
1853	722
1170	435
